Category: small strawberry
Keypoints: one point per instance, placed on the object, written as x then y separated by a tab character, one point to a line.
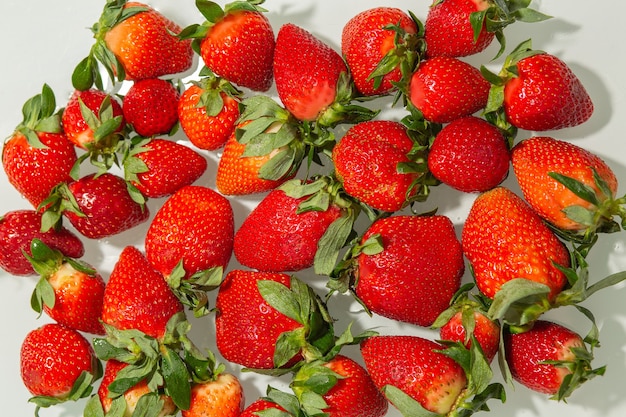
38	156
69	291
445	88
160	167
17	230
222	396
235	42
261	405
549	358
376	43
568	186
470	155
57	364
133	42
151	106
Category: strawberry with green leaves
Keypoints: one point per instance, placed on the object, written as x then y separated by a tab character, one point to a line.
38	156
263	405
221	396
150	106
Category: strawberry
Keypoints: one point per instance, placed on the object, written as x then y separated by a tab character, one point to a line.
568	186
207	111
375	44
261	405
470	155
549	358
221	397
235	42
137	296
133	42
410	255
18	228
47	371
160	167
96	205
69	291
367	162
445	88
505	240
38	156
151	106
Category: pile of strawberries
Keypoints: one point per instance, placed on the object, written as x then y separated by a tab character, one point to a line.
340	190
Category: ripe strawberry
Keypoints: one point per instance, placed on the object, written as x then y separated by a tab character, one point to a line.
445	88
367	160
96	205
137	296
151	106
54	359
18	228
380	39
537	160
69	291
469	322
261	404
236	43
195	227
133	42
415	366
549	358
38	156
504	239
208	111
418	255
470	155
160	167
221	397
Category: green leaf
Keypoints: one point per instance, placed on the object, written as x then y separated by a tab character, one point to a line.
176	378
83	75
331	243
520	301
281	298
407	406
211	11
93	408
288	345
578	188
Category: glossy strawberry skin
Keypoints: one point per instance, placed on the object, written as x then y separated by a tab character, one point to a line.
52	357
259	405
275	238
151	106
305	90
504	239
445	88
196	226
546	95
247	327
223	397
470	155
412	364
536	157
421	255
18	228
33	171
366	161
365	41
486	332
240	48
137	296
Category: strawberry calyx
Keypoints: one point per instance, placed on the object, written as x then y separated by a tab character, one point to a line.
212	88
192	291
83	387
312	381
40	115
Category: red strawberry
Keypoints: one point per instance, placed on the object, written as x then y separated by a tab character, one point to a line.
469	322
236	43
367	160
151	106
222	397
470	155
53	360
160	167
260	404
137	296
382	36
18	228
504	239
418	255
69	291
38	156
97	206
415	366
537	160
445	88
549	358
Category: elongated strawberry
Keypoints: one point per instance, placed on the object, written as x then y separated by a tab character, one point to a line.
566	185
150	106
376	43
38	156
18	228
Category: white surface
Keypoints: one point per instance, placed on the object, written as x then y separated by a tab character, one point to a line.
42	41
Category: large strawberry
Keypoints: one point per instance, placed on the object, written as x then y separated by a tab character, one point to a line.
151	106
17	230
38	156
568	186
376	44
